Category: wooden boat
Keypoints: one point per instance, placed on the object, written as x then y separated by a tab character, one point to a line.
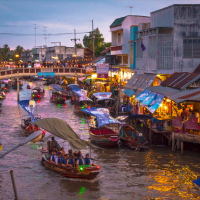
62	130
83	171
104	137
103	128
57	98
37	93
132	138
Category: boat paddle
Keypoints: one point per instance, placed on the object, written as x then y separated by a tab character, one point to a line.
28	139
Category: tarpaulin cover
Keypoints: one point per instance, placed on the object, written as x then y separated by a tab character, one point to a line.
156	103
102	95
56	87
147	101
102	115
80	92
62	130
129	92
25	105
122	118
143	95
73	86
85	98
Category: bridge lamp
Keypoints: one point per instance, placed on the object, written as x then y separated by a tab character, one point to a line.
17	55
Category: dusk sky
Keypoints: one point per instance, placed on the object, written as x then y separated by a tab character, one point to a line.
63	16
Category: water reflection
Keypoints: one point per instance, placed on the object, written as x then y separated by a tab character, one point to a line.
155	174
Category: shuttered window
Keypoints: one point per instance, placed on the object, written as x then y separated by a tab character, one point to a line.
191	48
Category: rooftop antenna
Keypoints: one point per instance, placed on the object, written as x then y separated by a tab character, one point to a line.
130	8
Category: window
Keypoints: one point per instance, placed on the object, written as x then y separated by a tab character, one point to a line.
69	55
125	60
119	38
60	56
191	48
119	59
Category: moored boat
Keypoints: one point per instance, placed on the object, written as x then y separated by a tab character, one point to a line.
57	94
104	129
37	93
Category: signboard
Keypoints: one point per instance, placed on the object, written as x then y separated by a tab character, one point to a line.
89	70
47	70
102	70
46	74
37	65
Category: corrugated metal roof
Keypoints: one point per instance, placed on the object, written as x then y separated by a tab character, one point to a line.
166	91
177	95
139	82
181	80
117	22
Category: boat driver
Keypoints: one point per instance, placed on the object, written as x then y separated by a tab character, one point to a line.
55	144
79	160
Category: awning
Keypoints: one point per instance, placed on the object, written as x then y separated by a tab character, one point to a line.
139	82
143	95
129	92
81	78
155	105
62	130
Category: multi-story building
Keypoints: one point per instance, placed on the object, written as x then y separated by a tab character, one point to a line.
172	42
62	52
26	56
120	32
38	54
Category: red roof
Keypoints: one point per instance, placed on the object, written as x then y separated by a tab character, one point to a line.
197	70
180	80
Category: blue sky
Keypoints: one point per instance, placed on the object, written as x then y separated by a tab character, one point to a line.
63	16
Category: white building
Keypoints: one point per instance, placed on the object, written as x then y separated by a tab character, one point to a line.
61	52
120	33
172	42
38	54
26	56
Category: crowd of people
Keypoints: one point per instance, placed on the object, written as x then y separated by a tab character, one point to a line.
69	159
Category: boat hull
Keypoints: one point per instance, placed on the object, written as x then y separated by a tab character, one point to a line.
15	87
27	133
41	95
104	140
57	101
134	145
72	172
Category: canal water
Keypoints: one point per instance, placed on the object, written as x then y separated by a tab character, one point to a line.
126	174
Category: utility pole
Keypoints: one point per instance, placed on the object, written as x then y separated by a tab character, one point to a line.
45	35
93	40
35	34
75	39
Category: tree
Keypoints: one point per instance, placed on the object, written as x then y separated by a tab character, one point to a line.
99	44
19	49
5	52
79	45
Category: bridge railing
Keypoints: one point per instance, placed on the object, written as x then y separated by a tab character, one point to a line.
36	70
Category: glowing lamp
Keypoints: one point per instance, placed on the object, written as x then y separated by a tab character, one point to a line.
82	107
81	168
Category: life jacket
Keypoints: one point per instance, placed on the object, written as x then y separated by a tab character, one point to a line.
53	158
71	162
59	160
87	161
29	128
80	161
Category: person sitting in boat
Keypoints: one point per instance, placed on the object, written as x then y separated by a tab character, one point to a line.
59	160
75	158
79	161
29	127
62	150
54	158
55	144
87	159
64	161
36	128
70	161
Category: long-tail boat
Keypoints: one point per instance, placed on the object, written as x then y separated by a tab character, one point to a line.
61	129
56	96
29	106
103	129
37	93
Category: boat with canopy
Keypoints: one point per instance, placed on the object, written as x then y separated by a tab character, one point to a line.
61	129
37	93
14	86
131	137
27	127
103	129
81	100
57	94
103	99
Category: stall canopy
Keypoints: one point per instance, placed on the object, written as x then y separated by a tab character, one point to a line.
102	95
56	87
151	100
139	82
102	115
26	105
129	92
80	92
73	86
